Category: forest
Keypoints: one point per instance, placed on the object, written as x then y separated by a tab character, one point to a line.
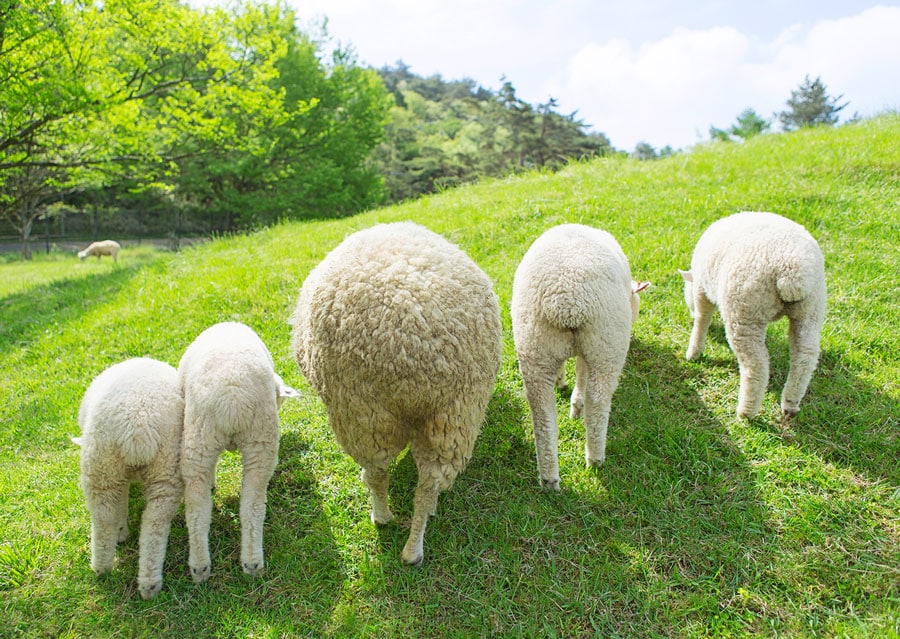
153	119
137	118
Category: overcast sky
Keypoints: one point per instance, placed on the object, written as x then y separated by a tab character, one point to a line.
636	70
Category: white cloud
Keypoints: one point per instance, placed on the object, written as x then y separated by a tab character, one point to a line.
669	91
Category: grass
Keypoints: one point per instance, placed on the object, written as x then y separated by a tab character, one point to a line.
697	525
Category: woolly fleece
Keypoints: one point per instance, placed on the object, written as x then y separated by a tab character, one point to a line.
131	420
399	333
757	268
573	296
232	395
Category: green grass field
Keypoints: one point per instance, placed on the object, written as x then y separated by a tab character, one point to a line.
697	525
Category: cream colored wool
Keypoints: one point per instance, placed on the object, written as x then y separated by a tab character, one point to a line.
757	268
104	247
573	296
399	333
232	395
131	420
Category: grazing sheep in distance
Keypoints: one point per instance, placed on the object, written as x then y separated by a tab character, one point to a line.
399	332
757	268
131	420
572	296
105	247
231	399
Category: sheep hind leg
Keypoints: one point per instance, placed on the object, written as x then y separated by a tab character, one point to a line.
156	523
377	480
703	313
803	337
258	466
598	401
198	516
749	345
105	509
581	375
542	401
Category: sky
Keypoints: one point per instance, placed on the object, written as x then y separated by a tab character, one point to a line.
636	70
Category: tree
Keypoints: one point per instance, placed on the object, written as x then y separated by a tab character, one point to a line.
644	151
749	124
810	105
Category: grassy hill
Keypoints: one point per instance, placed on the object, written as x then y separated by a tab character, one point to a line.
697	524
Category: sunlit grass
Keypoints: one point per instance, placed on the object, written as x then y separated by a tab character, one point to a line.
697	525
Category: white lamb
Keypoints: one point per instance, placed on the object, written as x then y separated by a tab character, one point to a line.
131	420
104	247
231	399
757	268
572	296
399	333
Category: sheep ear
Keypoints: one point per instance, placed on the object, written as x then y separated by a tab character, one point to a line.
688	277
637	287
77	441
287	391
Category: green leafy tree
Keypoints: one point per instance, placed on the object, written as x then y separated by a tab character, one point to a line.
749	124
810	105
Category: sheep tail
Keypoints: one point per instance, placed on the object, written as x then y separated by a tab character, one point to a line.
140	446
795	284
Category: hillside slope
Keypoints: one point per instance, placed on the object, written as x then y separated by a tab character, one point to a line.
697	524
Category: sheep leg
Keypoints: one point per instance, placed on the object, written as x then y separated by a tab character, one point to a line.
803	337
598	400
122	513
703	314
376	479
561	382
106	508
581	376
156	522
749	345
198	481
424	505
542	401
258	465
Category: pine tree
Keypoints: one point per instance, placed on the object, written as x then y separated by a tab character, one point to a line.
810	105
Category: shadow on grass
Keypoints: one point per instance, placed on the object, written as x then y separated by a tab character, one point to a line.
672	521
843	419
27	313
297	592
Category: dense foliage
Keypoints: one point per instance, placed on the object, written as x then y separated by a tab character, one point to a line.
233	113
443	133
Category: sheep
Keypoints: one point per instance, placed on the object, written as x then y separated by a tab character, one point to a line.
757	268
131	422
573	296
105	247
232	395
399	333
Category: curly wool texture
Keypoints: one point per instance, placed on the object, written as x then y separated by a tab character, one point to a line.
399	333
572	297
232	395
756	268
131	422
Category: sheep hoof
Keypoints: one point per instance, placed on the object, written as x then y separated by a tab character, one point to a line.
550	484
594	463
790	410
201	574
123	534
101	571
575	411
692	356
254	569
382	519
412	558
149	591
747	414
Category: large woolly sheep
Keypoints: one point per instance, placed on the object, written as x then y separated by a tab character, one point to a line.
573	296
757	268
131	420
104	247
399	333
231	399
